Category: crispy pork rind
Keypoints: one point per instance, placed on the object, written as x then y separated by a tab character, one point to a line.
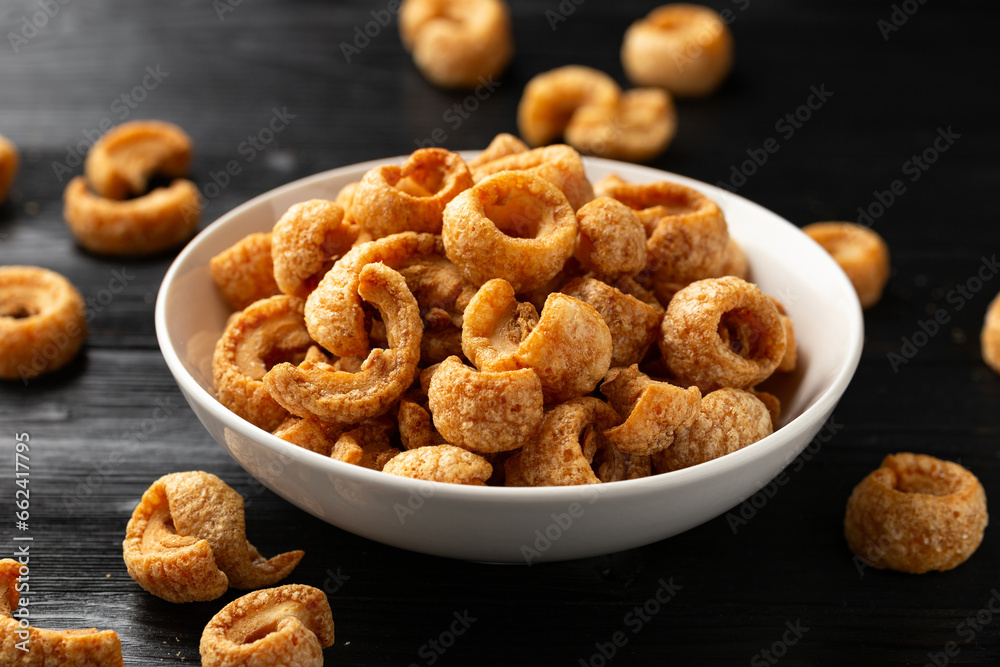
638	129
558	164
306	241
416	427
265	333
722	332
485	412
366	445
317	390
735	262
42	321
634	325
308	434
122	161
494	325
684	48
10	160
916	513
570	449
728	420
653	411
441	463
334	311
502	145
791	357
860	252
409	198
514	225
48	648
989	338
612	240
551	100
186	541
244	272
457	43
150	223
287	626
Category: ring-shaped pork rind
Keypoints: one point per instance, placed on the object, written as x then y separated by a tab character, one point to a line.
244	272
47	648
334	313
552	99
638	129
558	164
366	445
722	332
287	626
684	48
494	325
121	162
502	145
653	411
612	241
306	241
563	451
728	420
186	541
485	412
791	357
392	199
42	321
916	513
634	325
989	338
265	333
156	221
860	252
686	231
514	225
441	463
308	434
317	390
735	262
457	43
10	160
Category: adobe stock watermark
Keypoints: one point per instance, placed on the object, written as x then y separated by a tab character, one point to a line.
459	112
915	167
223	7
898	17
635	620
551	533
779	649
419	494
364	34
121	108
334	581
31	25
967	631
432	650
956	298
786	126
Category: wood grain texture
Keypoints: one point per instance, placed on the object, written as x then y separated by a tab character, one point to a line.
107	426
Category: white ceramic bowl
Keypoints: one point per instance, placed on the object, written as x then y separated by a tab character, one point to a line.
523	524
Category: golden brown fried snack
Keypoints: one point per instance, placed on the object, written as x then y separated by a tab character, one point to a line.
916	513
722	332
42	322
515	225
244	271
319	391
566	446
47	648
634	325
494	326
551	100
457	43
791	356
122	161
416	427
503	144
612	241
735	262
10	160
558	164
367	445
684	48
441	463
860	252
638	129
186	541
308	434
145	225
989	338
334	312
287	626
485	412
392	199
265	333
653	411
306	241
728	420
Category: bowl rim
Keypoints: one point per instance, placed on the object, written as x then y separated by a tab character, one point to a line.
807	419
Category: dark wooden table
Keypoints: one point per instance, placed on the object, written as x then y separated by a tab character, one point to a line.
777	585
